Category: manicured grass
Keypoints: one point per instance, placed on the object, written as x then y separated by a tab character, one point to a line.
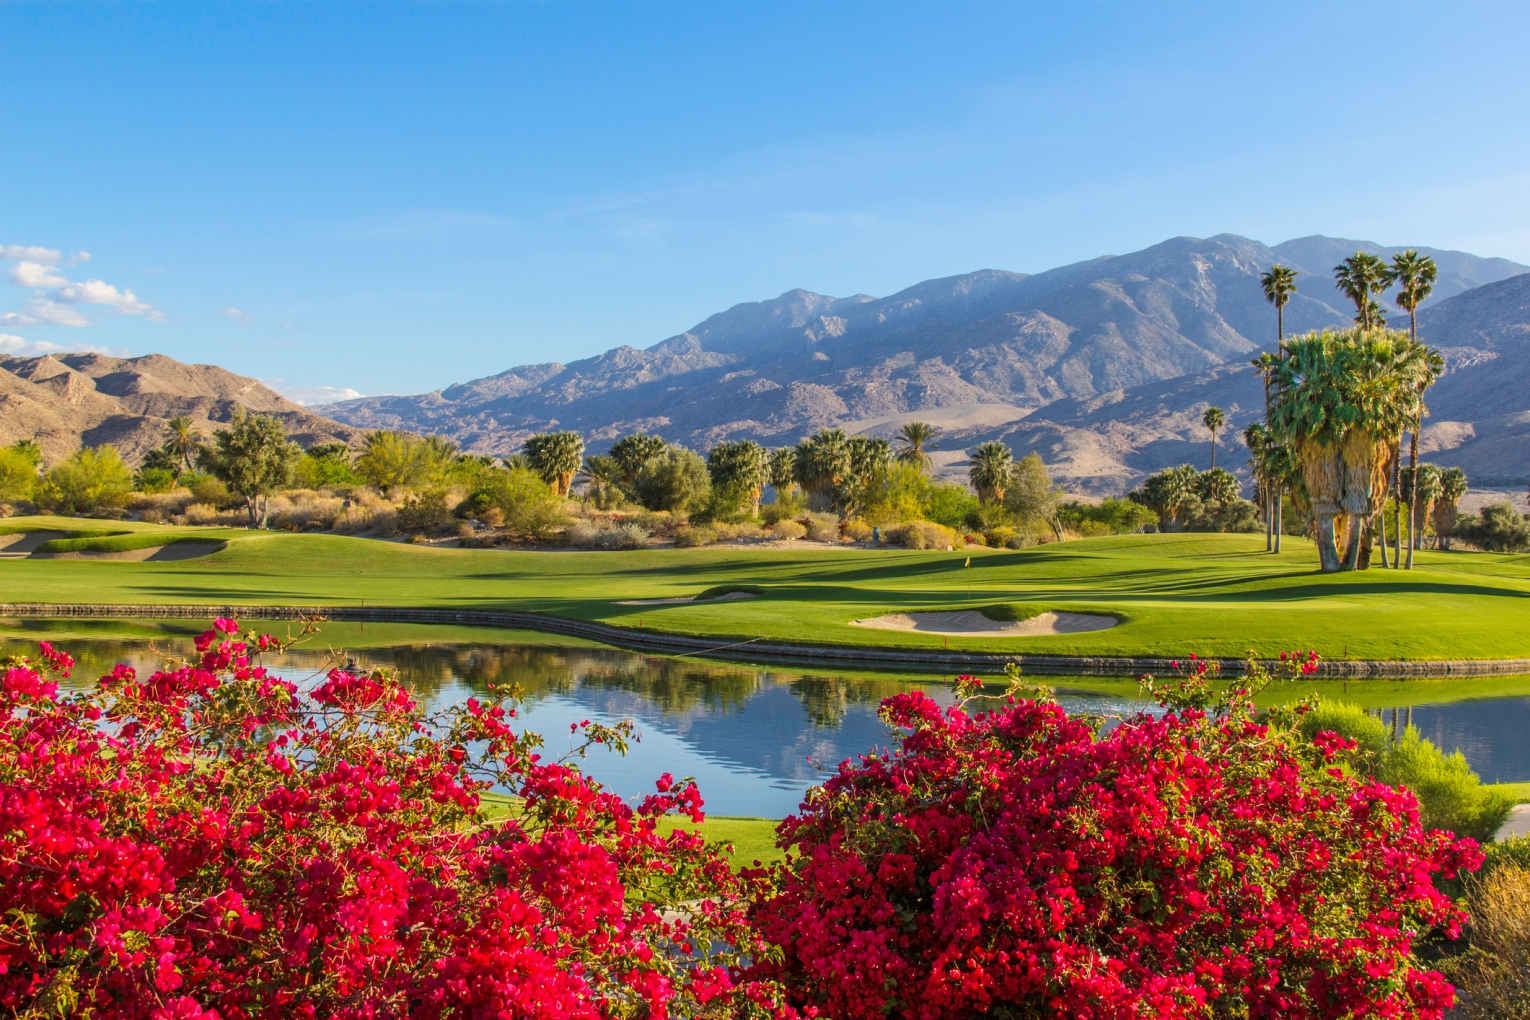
1176	594
1521	791
124	543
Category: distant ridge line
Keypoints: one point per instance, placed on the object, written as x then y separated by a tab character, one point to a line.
756	651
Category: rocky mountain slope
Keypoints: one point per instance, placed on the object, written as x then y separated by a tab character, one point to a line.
1101	365
66	401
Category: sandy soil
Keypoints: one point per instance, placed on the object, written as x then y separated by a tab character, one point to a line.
731	596
22	544
153	554
971	623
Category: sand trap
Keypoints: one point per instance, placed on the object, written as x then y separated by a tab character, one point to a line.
971	623
151	554
732	595
22	543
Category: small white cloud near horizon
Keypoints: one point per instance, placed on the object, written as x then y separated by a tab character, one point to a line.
312	396
238	315
41	311
98	292
20	347
32	253
36	274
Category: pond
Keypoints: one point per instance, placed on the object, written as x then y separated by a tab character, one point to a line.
754	738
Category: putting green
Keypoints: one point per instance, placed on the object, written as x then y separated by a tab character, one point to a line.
1175	594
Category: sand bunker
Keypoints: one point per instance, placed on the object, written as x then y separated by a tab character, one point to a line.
151	554
971	623
689	598
25	542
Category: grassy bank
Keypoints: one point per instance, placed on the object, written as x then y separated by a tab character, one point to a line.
1176	594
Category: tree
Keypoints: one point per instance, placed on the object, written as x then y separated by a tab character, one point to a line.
783	472
182	441
632	452
1452	488
326	464
1217	486
556	456
915	441
400	460
1166	493
254	458
1415	275
1279	284
90	480
1214	419
990	471
1362	277
1029	494
676	480
18	470
741	468
602	479
870	458
821	464
1420	487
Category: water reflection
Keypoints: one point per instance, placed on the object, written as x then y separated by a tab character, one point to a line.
754	738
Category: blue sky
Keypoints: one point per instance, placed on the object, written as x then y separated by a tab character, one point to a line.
389	198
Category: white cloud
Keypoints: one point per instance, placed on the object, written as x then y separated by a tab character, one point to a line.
20	347
309	396
35	274
41	311
98	292
33	253
78	257
238	315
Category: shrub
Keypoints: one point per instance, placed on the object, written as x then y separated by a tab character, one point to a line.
91	480
625	536
821	527
740	529
400	460
675	480
154	480
18	471
207	489
1001	537
326	465
583	535
922	535
690	538
788	530
1020	863
1109	517
1497	529
1495	972
857	531
306	510
423	513
949	504
527	506
783	510
212	840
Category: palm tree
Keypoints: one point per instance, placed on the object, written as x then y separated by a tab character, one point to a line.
782	471
1214	419
742	467
1259	441
820	464
634	451
182	440
556	456
1452	488
601	475
1166	493
1361	277
1422	486
915	441
1279	284
1415	274
990	471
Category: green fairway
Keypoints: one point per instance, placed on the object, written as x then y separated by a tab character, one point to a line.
1175	594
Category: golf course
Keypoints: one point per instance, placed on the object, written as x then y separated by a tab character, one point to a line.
1159	595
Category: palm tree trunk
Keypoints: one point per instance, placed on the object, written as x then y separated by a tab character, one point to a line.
1413	495
1280	513
1213	449
1356	524
1328	553
1382	518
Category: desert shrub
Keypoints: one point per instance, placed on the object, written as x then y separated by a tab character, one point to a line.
922	535
306	510
1496	529
165	504
422	514
214	841
1000	537
1494	973
975	538
325	465
821	527
903	495
1109	517
783	509
18	471
1232	517
583	535
528	508
205	488
1022	863
394	460
154	480
788	530
675	480
625	536
690	538
949	504
727	532
90	480
1452	796
857	531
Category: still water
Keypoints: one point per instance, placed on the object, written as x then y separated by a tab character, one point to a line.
754	738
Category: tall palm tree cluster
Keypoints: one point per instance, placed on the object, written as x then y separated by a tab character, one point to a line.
1337	404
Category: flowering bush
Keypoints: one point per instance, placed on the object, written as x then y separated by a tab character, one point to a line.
212	841
1208	862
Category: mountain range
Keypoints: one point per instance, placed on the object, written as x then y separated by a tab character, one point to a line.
64	401
1103	366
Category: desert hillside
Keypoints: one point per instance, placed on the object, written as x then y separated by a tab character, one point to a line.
72	400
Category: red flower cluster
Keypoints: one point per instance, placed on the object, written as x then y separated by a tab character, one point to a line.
1020	863
214	842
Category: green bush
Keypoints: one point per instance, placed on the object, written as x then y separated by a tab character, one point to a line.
91	480
1110	517
949	504
1497	529
154	480
423	513
1012	612
1451	795
787	530
690	538
328	464
18	471
675	480
783	509
525	504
